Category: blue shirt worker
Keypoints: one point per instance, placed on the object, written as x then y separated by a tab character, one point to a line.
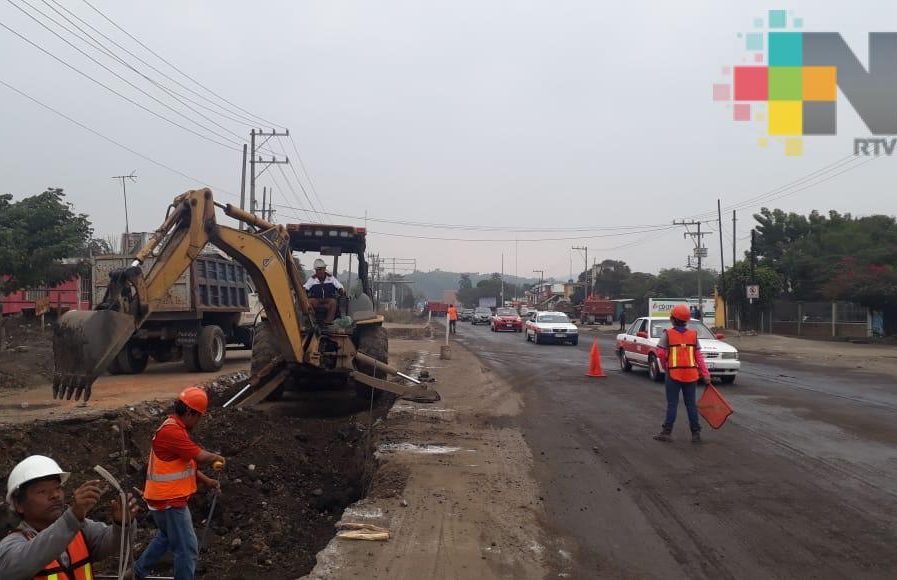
322	289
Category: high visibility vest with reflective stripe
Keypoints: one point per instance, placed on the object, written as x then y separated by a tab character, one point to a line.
681	362
79	562
453	314
169	479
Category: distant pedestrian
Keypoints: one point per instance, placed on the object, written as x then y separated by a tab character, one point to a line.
622	320
452	316
680	356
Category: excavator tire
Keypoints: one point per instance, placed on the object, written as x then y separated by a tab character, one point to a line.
211	347
372	341
264	349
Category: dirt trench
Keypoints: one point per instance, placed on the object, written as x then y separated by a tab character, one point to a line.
287	481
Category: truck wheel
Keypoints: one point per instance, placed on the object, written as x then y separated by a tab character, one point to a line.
210	348
264	349
372	341
191	359
131	360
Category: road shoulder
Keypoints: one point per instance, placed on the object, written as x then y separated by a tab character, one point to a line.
454	487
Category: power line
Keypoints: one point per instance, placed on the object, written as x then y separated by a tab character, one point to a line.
299	182
258	118
113	141
311	183
108	88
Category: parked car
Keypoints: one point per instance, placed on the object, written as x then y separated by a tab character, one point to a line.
482	315
506	319
465	314
637	346
545	327
525	311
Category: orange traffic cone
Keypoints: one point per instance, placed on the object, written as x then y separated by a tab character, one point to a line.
595	369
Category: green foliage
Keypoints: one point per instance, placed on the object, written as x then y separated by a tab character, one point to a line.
737	278
36	233
829	257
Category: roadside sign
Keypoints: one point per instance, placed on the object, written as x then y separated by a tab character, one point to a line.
753	291
42	306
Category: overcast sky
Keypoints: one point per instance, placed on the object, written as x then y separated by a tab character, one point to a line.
513	114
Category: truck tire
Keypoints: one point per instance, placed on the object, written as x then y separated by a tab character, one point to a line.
191	359
264	349
210	348
131	360
372	341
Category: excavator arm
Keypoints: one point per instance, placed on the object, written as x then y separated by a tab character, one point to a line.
85	342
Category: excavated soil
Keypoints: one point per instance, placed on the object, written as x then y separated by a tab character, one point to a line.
26	356
286	484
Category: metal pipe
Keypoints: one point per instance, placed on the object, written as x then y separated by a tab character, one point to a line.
244	216
237	396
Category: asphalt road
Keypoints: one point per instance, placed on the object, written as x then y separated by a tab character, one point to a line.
801	482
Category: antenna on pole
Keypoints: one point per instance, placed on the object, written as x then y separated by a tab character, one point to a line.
124	192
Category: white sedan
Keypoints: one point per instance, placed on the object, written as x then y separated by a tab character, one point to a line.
638	347
551	327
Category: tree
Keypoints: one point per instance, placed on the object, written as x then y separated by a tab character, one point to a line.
464	283
36	234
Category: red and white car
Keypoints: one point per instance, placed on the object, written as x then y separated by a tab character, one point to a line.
638	347
506	319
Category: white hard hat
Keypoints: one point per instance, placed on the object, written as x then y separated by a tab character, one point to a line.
319	263
29	469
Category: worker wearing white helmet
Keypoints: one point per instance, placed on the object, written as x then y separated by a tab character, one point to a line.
322	289
53	541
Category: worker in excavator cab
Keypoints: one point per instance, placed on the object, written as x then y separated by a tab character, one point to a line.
171	478
680	356
323	289
52	540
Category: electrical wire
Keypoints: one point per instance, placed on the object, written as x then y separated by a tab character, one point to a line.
299	181
258	118
311	183
114	142
110	89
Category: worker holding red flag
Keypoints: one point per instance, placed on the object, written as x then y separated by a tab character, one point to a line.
680	356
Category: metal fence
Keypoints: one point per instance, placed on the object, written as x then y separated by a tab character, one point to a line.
820	319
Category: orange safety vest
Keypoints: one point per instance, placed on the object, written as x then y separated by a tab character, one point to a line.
452	313
169	479
79	561
681	362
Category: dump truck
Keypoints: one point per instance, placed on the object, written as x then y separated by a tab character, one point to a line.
293	348
597	310
208	307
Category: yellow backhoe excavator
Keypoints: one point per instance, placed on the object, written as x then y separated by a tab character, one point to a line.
292	347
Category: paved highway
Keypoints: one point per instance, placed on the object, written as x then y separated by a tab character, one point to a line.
801	482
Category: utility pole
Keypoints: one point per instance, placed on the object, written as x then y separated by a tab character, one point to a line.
541	278
588	272
753	280
502	279
733	238
700	253
243	184
722	262
271	210
255	160
265	202
124	192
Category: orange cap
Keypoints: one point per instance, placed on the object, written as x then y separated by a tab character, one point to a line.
681	312
195	398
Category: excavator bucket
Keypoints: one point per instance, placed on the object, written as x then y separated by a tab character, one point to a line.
84	343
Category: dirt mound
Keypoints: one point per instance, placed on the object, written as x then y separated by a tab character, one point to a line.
287	481
26	358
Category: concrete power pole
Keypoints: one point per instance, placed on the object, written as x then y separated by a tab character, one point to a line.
255	160
700	252
124	192
587	270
